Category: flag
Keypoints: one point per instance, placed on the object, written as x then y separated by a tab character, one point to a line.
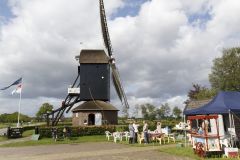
17	82
18	89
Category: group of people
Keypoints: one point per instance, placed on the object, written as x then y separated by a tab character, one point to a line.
66	132
133	131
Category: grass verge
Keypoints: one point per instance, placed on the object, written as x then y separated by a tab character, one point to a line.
50	141
188	152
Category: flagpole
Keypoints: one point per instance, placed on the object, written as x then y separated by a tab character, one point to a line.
19	108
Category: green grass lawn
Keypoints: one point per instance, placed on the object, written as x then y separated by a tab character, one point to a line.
28	133
188	152
50	141
3	138
5	125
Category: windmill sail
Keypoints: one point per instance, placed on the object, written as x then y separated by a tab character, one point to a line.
106	37
118	86
107	42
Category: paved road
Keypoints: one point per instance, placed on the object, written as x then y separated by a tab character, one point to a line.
86	151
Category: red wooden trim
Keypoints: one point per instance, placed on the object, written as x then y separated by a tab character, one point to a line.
214	116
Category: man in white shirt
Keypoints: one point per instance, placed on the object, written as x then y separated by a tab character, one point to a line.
135	126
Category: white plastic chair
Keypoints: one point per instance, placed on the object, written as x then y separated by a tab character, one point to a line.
169	136
161	138
108	135
117	136
141	138
126	134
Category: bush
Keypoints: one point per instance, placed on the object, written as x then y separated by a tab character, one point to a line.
26	128
77	131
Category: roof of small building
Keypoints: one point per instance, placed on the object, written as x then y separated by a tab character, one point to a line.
96	106
93	56
192	104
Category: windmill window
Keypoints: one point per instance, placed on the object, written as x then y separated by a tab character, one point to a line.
76	114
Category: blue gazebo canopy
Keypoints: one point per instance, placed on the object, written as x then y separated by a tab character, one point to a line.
222	103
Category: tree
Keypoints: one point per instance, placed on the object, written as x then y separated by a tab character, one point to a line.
148	111
45	108
164	111
225	73
192	94
177	112
13	118
200	93
136	111
125	112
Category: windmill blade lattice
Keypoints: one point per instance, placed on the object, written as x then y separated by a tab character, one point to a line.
107	42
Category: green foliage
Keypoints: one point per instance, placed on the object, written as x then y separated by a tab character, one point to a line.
122	128
77	131
164	111
13	118
148	111
177	112
225	73
206	93
45	108
200	93
192	94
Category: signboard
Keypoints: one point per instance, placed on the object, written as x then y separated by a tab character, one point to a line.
14	132
73	90
98	119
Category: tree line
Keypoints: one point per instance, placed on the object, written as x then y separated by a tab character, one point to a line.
151	112
13	118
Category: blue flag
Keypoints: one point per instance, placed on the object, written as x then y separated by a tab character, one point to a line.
19	81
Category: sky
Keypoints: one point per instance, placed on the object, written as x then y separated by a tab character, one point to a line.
161	47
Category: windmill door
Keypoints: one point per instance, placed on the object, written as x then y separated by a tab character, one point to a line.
98	119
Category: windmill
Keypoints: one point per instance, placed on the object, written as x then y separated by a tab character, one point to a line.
93	86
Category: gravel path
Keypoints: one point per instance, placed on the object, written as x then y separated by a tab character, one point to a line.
86	151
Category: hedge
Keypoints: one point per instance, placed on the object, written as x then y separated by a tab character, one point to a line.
77	131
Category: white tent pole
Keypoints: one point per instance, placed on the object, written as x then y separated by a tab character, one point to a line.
230	122
185	130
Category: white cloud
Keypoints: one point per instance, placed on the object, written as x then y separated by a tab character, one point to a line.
158	52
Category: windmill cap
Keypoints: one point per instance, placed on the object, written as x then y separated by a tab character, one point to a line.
93	56
96	106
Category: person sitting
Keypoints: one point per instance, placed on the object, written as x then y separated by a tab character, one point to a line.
159	128
200	130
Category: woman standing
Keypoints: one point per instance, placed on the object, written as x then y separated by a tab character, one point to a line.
131	133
